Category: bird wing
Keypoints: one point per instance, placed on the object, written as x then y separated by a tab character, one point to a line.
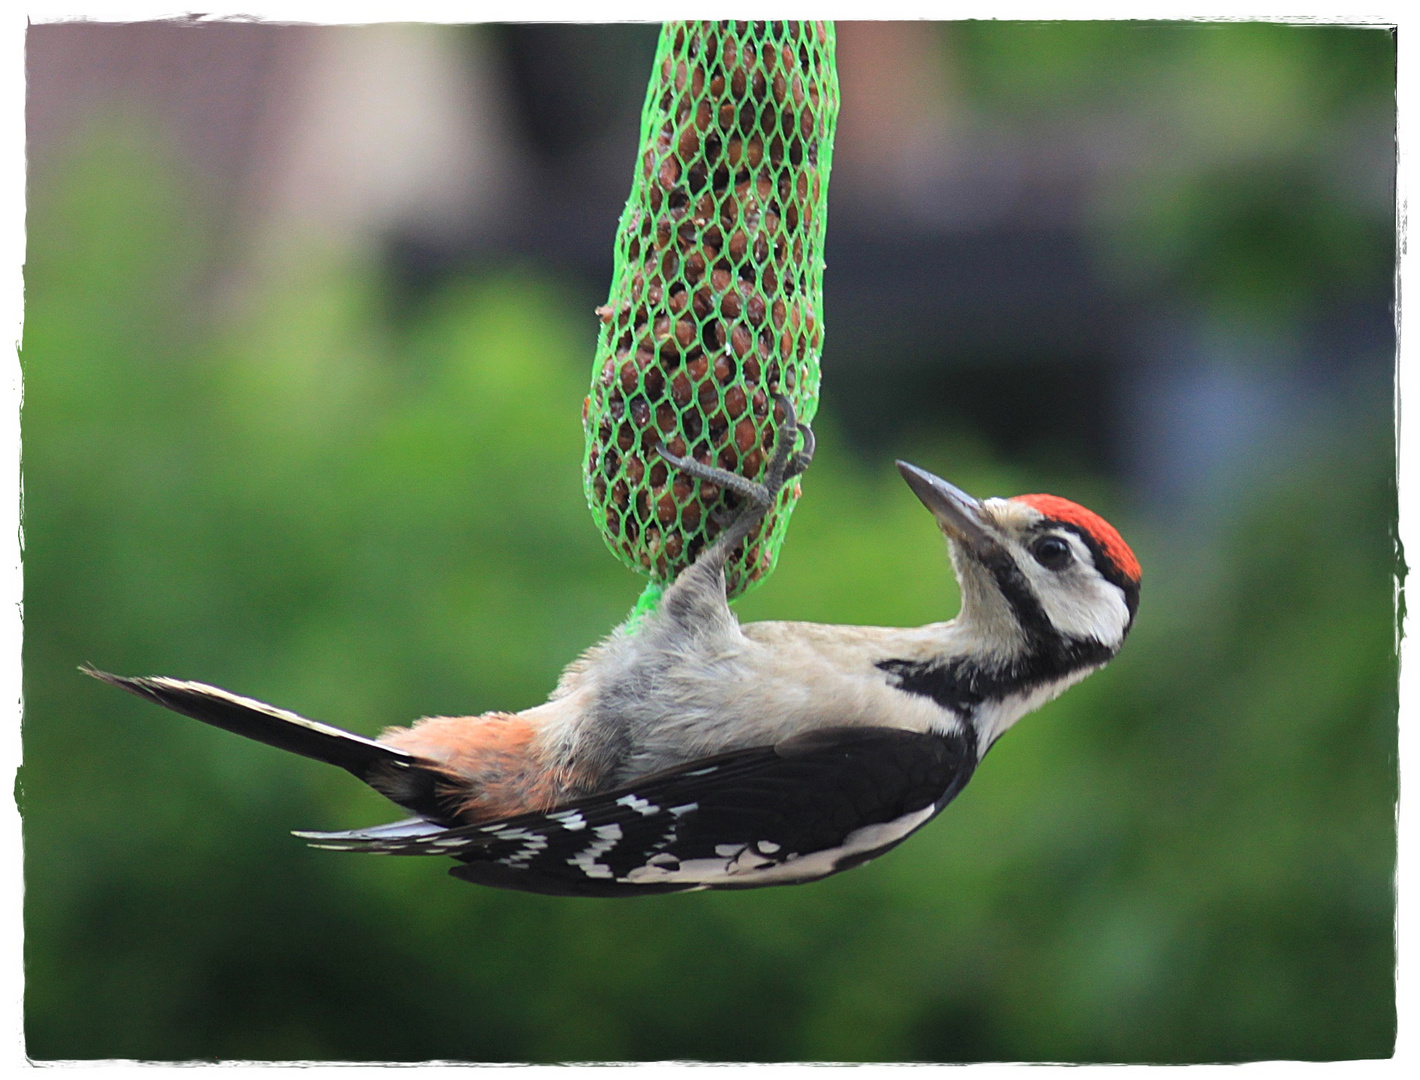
796	811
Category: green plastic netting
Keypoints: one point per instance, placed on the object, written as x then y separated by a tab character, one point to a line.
716	301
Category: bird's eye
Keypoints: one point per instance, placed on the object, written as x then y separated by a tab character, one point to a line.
1052	552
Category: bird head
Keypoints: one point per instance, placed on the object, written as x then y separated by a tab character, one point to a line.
1042	578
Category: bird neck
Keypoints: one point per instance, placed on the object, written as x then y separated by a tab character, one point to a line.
987	691
999	659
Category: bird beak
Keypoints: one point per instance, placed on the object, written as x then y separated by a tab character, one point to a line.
956	512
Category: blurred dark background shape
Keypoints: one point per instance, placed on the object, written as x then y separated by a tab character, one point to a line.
308	327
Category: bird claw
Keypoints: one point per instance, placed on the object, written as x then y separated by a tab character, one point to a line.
757	494
783	466
786	462
800	460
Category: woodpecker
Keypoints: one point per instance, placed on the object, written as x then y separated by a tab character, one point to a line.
694	752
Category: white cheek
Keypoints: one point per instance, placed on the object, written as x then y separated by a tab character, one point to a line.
1077	601
1087	607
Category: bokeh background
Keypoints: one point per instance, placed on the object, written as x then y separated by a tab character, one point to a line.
308	326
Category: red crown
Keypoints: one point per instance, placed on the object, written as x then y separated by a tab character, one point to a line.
1101	531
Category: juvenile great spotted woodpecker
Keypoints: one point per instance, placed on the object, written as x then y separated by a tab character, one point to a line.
696	753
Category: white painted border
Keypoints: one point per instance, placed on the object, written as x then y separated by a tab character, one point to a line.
12	247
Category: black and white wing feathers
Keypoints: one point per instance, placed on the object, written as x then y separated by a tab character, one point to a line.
798	811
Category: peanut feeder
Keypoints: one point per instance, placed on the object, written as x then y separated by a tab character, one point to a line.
716	301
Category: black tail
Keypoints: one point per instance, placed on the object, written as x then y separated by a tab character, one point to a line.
411	781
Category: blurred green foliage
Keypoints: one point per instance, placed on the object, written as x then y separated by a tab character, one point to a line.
1239	187
1187	858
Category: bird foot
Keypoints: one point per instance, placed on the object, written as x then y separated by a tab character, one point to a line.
783	466
759	498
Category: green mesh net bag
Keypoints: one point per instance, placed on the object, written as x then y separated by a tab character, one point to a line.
716	303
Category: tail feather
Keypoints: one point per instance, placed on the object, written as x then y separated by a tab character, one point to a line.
379	838
407	779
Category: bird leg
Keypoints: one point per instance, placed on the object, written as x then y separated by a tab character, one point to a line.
758	498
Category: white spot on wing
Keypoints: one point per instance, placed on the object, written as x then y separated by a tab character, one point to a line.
571	820
644	807
586	859
748	868
535	844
